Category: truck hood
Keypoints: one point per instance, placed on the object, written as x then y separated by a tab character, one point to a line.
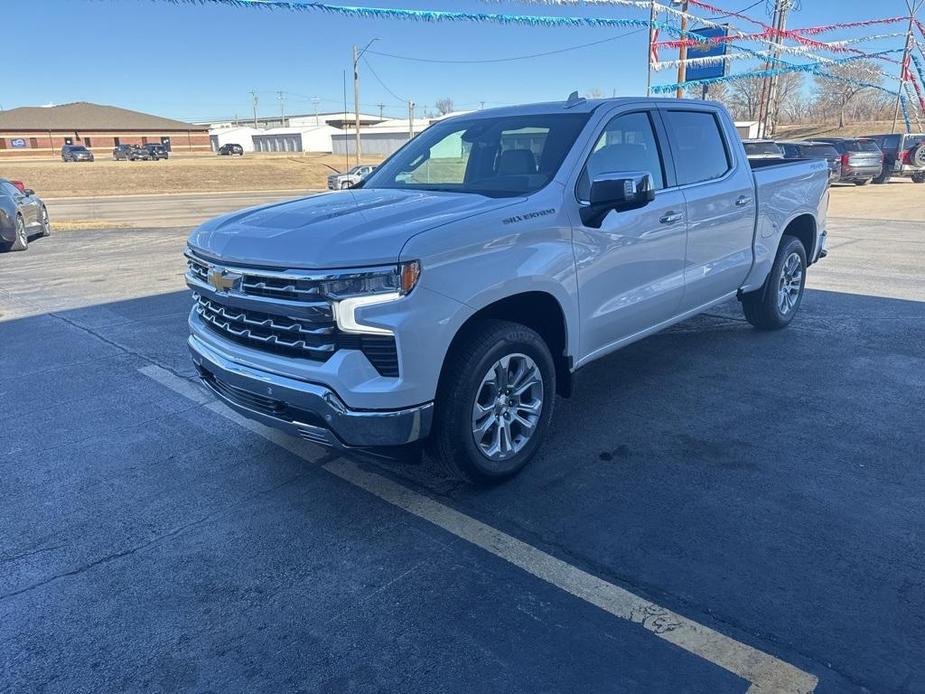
352	228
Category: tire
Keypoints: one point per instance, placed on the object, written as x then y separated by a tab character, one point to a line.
21	242
880	180
763	308
46	223
491	353
864	182
917	156
344	185
918	178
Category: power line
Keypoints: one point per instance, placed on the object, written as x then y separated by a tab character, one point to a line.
381	83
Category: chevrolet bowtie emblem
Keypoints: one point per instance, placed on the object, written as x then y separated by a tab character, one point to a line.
223	280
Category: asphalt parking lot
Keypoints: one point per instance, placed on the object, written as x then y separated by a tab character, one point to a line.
717	510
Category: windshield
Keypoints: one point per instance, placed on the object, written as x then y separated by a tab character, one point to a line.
764	148
821	151
863	146
504	156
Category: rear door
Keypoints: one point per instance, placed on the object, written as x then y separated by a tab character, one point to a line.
719	190
631	268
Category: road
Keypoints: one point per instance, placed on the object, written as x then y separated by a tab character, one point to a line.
766	487
168	210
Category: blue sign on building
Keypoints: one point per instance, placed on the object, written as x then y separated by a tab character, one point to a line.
709	70
18	143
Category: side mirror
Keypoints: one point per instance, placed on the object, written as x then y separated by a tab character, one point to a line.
625	190
29	191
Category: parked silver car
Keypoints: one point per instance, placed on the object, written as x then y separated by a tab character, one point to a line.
22	215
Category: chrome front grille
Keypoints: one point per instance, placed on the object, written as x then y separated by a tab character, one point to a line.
279	311
294	336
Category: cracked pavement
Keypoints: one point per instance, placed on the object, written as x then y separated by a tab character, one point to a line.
767	486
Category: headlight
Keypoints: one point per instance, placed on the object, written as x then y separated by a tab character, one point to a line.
368	288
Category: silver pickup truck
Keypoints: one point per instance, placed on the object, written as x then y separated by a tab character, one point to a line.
453	295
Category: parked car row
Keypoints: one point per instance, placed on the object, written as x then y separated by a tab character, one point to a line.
857	160
22	215
149	152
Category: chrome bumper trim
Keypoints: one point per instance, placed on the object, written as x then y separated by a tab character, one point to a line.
308	410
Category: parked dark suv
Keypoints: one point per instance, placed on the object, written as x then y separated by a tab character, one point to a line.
229	149
151	152
814	150
125	152
903	155
861	159
76	153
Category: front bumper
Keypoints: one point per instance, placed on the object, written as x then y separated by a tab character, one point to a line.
308	410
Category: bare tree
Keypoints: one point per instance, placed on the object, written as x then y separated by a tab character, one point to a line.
445	106
743	98
838	93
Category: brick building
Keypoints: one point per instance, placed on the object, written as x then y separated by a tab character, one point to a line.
42	130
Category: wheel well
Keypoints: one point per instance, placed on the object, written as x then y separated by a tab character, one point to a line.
539	311
804	228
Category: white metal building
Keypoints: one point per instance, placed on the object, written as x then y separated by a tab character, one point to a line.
381	139
233	136
295	139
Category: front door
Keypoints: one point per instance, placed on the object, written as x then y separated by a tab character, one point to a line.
631	269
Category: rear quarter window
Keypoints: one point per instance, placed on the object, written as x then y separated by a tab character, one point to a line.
698	145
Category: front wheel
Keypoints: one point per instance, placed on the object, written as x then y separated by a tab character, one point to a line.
775	305
46	223
918	178
864	182
495	402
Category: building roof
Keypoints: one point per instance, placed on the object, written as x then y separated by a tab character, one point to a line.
86	116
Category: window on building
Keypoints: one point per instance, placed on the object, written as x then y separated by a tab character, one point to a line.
88	142
116	141
34	142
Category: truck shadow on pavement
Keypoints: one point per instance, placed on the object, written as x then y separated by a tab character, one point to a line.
771	480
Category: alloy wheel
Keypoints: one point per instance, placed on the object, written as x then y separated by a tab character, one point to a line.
507	408
791	284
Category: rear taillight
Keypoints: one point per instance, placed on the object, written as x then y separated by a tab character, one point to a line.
20	185
904	157
844	160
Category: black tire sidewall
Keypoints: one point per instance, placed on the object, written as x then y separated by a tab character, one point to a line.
454	415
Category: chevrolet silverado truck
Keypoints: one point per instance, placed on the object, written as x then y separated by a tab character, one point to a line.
452	295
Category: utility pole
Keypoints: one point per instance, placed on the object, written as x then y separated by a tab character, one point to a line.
381	109
410	120
914	6
254	105
481	105
315	102
770	116
651	47
682	52
282	108
357	54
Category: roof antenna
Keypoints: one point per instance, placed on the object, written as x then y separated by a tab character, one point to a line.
574	100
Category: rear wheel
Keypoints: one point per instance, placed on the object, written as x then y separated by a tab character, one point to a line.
864	182
21	242
918	178
776	304
494	404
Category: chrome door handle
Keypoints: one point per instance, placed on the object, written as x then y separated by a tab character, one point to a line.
671	218
743	201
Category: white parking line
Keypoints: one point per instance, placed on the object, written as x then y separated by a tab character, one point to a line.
764	672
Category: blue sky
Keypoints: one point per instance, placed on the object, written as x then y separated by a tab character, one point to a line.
200	62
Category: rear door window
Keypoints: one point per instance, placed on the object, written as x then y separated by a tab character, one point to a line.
864	146
700	152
